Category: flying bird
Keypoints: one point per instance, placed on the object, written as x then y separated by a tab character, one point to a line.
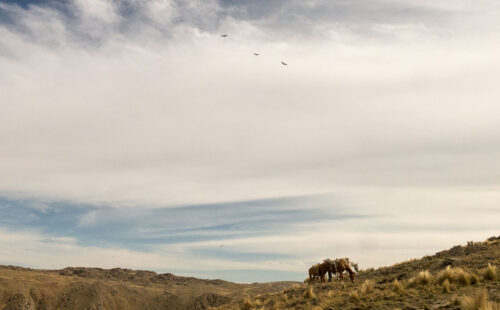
220	246
284	63
256	54
223	35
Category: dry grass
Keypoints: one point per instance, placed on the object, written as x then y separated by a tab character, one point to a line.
366	287
474	279
478	302
455	301
354	295
422	278
446	286
490	273
455	275
247	304
309	293
398	287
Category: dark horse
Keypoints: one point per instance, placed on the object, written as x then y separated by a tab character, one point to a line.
336	266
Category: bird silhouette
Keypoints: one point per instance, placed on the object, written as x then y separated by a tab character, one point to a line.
284	63
256	54
223	35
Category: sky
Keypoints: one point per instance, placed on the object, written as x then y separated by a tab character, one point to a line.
133	135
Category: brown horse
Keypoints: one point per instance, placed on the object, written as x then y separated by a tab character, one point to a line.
313	273
336	266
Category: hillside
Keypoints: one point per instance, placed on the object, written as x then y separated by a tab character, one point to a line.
95	288
463	277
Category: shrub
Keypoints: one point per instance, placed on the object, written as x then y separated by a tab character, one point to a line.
490	273
478	302
397	287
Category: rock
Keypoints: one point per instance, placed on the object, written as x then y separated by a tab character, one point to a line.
448	262
457	251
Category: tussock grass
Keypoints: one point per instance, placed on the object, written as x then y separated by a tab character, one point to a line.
354	295
478	302
398	287
455	301
309	293
424	277
366	287
247	304
455	275
474	279
446	286
490	273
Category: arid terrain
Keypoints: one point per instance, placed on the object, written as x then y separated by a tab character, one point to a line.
95	288
463	277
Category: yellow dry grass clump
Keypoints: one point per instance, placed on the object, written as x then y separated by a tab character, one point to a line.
456	275
446	286
397	287
479	302
354	295
309	293
247	304
424	277
490	273
366	287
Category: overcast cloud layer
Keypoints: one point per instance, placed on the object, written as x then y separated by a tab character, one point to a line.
386	110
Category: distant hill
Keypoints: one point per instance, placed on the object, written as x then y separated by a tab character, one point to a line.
463	277
95	288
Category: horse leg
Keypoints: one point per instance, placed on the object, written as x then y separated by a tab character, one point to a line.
341	276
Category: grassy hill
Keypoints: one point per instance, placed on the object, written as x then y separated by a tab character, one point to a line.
464	277
95	288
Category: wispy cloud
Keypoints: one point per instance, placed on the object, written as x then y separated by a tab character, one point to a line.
277	238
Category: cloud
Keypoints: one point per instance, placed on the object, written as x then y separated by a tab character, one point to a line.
139	106
160	109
